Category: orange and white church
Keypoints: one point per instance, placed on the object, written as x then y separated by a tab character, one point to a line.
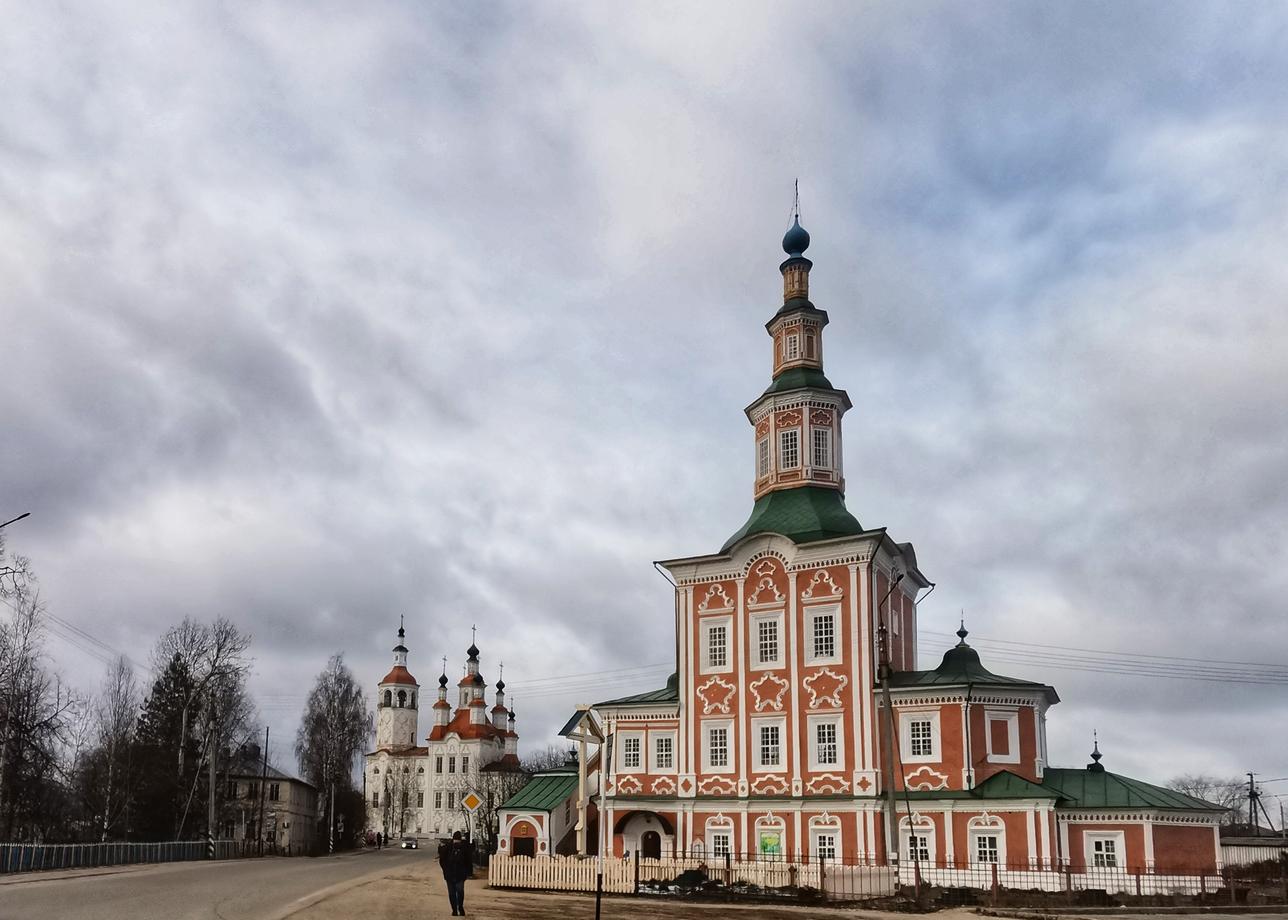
777	735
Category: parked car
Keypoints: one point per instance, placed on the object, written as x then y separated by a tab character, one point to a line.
409	843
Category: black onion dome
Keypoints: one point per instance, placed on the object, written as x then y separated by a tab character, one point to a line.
442	680
796	240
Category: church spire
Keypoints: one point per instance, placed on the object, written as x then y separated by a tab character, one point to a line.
799	483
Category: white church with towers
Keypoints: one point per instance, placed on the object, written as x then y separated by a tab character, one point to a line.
418	790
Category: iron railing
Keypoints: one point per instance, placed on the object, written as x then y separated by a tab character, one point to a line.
28	857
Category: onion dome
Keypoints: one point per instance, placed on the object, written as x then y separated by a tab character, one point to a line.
472	652
442	680
796	240
500	685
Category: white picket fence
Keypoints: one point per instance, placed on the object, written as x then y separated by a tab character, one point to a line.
577	873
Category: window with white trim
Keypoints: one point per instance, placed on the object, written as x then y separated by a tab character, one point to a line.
451	765
1104	851
918	848
770	739
825	844
1002	736
921	741
919	737
825	747
716	753
809	345
762	458
438	800
985	850
663	752
823	448
789	449
721	843
793	350
768	651
631	752
822	631
717	646
451	800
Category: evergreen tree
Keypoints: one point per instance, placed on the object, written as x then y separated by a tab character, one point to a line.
163	799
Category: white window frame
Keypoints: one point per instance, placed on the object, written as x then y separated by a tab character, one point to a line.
833	611
1012	720
792	347
653	759
817	833
763	463
438	801
757	664
1117	838
826	445
783	435
837	721
757	765
906	718
637	736
986	827
927	834
723	832
708	624
708	725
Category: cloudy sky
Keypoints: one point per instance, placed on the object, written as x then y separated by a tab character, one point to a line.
317	314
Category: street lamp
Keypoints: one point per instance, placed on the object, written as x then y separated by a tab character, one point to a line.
17	519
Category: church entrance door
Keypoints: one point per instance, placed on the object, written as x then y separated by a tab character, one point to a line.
651	845
525	846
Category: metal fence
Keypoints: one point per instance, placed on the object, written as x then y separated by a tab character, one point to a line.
28	857
841	880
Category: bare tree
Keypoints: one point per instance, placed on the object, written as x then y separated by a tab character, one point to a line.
1227	793
548	758
116	714
333	731
36	714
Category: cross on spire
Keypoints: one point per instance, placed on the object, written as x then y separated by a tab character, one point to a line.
796	200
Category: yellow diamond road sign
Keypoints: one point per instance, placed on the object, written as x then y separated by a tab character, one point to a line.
471	801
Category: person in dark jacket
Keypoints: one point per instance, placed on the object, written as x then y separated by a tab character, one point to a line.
456	857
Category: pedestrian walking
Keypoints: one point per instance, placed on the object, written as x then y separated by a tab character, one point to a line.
456	857
380	840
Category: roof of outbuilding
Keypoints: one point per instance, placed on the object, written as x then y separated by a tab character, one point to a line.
544	791
1083	788
668	694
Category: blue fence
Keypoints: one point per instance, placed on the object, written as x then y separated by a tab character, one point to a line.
27	857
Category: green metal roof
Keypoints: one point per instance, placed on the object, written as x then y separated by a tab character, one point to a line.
668	694
1087	788
798	378
802	515
544	791
961	666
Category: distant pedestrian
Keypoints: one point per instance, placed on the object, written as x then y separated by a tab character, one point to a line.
456	857
380	840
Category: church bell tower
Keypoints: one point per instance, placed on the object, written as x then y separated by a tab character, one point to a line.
396	703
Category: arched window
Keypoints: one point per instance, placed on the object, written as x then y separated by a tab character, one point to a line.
987	836
402	698
375	771
389	698
413	700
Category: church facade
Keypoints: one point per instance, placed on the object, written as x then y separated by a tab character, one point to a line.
797	705
416	790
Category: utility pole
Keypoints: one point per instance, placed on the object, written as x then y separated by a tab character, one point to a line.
1252	807
210	811
330	843
263	781
888	736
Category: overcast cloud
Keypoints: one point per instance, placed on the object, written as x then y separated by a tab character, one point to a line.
318	314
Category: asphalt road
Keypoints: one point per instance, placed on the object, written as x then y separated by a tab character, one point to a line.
240	889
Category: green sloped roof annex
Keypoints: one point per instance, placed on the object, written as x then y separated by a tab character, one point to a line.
798	378
668	694
544	792
802	515
1101	789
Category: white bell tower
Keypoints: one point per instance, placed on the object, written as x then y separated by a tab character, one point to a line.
397	703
